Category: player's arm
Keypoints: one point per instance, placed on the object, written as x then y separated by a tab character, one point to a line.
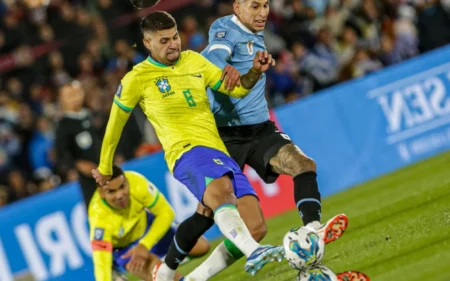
101	252
221	46
126	98
219	52
214	76
218	55
164	214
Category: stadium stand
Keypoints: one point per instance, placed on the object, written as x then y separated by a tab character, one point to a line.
317	43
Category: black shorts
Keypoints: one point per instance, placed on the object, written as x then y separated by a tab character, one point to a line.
255	145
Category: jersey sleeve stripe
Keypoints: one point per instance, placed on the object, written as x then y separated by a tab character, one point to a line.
217	85
154	200
125	108
220	46
101	246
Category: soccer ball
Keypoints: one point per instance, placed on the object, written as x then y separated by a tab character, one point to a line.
144	3
303	247
321	273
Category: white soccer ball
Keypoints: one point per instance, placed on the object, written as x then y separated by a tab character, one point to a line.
320	272
303	247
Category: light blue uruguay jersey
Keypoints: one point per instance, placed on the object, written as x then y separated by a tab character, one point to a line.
230	42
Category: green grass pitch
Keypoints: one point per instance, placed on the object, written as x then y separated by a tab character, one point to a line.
399	229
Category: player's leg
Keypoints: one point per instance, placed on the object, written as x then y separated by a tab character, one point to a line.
225	254
160	249
292	161
275	154
210	176
187	235
231	223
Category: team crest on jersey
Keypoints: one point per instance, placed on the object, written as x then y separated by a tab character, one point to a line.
98	233
250	47
164	86
119	91
221	34
121	231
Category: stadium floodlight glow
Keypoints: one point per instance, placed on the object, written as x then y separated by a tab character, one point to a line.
144	3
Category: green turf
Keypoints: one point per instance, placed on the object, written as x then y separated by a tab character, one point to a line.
399	229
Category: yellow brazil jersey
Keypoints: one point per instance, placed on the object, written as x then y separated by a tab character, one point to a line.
113	228
175	100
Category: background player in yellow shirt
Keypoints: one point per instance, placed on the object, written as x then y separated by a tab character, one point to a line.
170	86
131	226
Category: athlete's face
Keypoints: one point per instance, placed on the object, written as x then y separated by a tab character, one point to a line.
252	13
116	192
164	45
72	96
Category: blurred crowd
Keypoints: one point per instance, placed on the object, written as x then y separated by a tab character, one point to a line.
46	44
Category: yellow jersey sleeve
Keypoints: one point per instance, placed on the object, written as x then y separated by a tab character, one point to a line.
101	243
146	192
213	74
129	92
126	98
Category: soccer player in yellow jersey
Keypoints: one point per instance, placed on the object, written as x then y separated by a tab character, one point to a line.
170	86
131	226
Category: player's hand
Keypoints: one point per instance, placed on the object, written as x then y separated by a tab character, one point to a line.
262	61
100	178
139	256
231	76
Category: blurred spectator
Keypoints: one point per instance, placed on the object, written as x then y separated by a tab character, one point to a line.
77	142
321	63
4	196
126	57
17	182
433	22
41	147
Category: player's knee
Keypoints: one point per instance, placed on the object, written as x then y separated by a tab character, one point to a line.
258	230
301	164
219	192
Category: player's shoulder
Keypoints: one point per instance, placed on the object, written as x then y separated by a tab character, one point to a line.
136	72
97	211
133	176
190	56
129	79
137	182
224	29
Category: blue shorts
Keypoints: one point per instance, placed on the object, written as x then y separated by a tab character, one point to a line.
200	165
160	249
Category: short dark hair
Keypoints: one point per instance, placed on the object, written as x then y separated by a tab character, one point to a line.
156	21
116	172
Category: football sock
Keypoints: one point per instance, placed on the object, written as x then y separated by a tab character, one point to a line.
233	227
307	197
165	273
188	232
219	259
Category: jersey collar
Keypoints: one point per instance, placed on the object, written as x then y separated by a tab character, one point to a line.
235	19
157	63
